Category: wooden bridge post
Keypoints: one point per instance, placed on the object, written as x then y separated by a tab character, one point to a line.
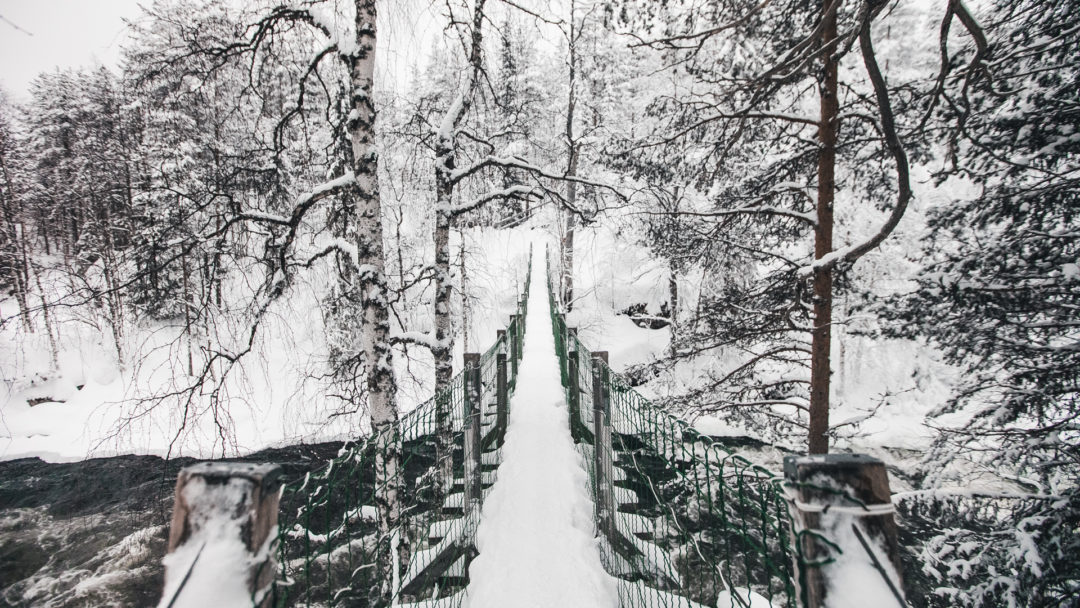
605	503
573	386
823	487
513	327
502	398
474	492
521	328
216	498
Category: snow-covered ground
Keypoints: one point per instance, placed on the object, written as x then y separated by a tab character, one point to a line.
882	388
536	533
91	405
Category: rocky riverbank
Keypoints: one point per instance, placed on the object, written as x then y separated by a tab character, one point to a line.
92	533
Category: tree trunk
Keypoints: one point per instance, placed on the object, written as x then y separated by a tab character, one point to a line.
14	254
566	265
822	333
116	310
381	385
445	159
443	349
187	303
464	298
112	285
444	333
54	348
673	308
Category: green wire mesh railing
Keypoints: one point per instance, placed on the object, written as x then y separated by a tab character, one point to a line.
686	522
330	542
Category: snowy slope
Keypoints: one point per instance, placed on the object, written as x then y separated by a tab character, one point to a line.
93	405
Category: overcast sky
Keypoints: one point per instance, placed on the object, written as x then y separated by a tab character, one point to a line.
65	33
39	35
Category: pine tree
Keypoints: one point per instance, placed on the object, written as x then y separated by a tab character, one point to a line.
1000	290
754	137
14	246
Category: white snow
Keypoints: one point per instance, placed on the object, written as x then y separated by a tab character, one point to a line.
741	597
1070	271
637	593
853	581
536	533
92	405
217	559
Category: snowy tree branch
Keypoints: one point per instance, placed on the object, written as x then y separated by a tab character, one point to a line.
850	254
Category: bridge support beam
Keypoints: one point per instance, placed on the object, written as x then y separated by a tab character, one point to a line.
474	489
602	465
841	501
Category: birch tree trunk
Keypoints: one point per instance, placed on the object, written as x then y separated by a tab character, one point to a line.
466	316
673	298
381	385
566	265
443	349
445	160
567	262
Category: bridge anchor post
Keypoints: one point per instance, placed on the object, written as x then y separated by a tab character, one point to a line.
523	306
841	503
515	322
474	490
573	384
216	500
602	473
502	398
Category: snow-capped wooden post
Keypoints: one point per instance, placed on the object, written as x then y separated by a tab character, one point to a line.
473	447
217	506
502	398
605	504
574	386
513	328
523	308
842	513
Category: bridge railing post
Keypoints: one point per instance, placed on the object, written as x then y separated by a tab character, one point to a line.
841	502
473	447
215	500
523	306
605	503
502	398
514	339
573	384
563	347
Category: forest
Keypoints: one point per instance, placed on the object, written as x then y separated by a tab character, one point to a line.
818	225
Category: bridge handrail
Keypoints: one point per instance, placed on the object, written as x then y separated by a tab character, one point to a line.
725	517
328	535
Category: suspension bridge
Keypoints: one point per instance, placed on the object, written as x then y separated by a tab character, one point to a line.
523	441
